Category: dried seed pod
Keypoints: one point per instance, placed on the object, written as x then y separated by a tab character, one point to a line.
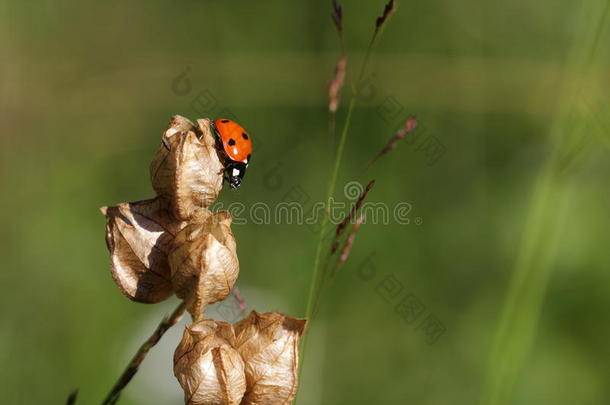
139	236
269	345
186	170
207	366
204	263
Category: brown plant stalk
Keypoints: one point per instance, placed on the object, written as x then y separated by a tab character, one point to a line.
134	364
241	301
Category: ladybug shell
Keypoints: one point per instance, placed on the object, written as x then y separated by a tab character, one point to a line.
235	140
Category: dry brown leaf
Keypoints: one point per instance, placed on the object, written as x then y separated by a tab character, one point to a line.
139	236
204	263
209	369
186	170
269	346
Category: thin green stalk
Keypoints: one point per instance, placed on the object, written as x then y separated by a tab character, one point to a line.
531	274
313	293
317	277
317	280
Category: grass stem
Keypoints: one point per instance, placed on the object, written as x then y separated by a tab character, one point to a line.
317	279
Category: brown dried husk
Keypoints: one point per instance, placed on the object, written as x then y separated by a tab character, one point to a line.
186	170
207	366
269	346
203	261
139	236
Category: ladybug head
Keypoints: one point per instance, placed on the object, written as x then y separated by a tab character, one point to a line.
234	173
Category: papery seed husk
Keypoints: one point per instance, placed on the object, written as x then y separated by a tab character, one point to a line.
207	366
204	264
139	236
186	171
269	346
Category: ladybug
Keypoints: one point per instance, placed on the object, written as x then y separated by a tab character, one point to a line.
237	148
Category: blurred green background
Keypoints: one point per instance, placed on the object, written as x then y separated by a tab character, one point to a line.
507	243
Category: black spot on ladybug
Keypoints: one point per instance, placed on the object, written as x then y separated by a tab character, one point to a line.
224	121
231	141
248	158
245	136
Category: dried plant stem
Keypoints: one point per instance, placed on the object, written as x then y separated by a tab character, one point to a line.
134	364
241	301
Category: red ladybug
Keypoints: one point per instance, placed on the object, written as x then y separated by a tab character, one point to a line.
237	148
